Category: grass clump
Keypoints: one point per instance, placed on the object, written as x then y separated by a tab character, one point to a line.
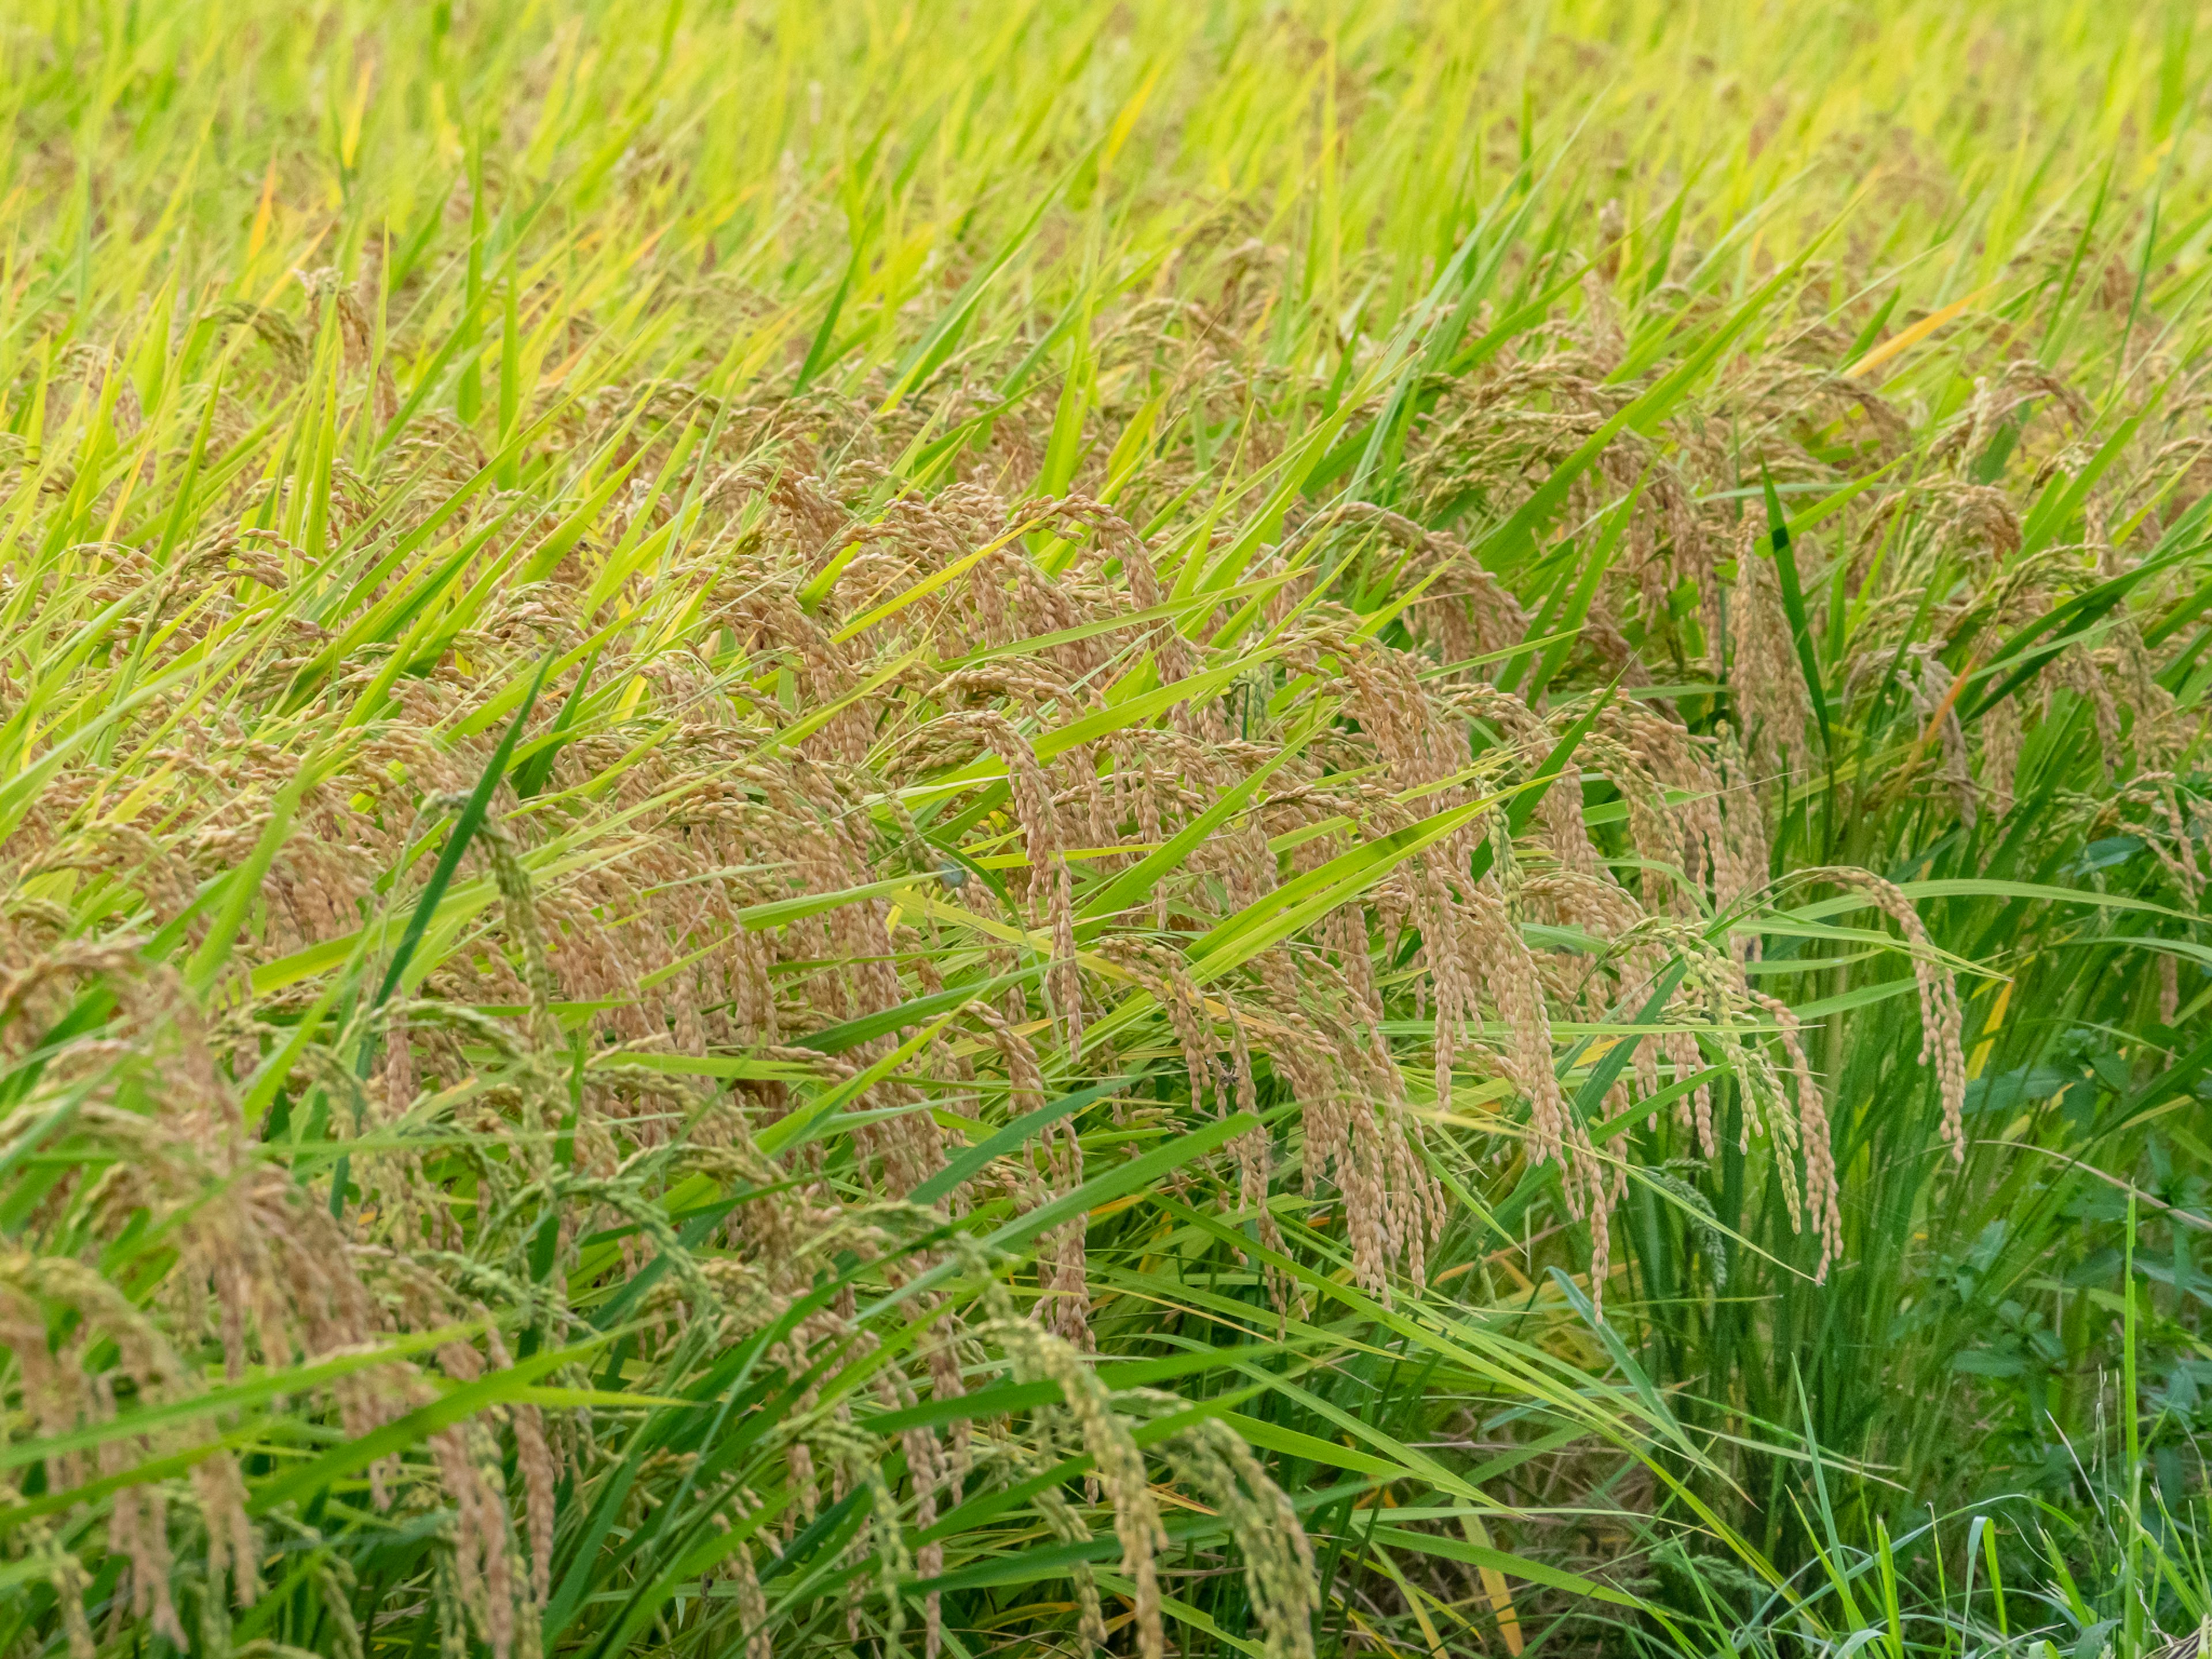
1271	829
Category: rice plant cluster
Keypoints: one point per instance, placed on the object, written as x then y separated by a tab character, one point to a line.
1298	831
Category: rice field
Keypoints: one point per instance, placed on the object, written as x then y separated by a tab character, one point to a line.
1302	830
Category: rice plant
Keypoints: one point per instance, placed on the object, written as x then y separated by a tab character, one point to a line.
1297	829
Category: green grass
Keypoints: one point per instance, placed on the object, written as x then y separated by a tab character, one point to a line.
833	828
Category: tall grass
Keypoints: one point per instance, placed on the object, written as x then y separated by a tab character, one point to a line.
1293	830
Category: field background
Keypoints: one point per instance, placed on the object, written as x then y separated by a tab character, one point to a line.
1255	830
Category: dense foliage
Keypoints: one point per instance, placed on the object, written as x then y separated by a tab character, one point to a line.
1295	829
